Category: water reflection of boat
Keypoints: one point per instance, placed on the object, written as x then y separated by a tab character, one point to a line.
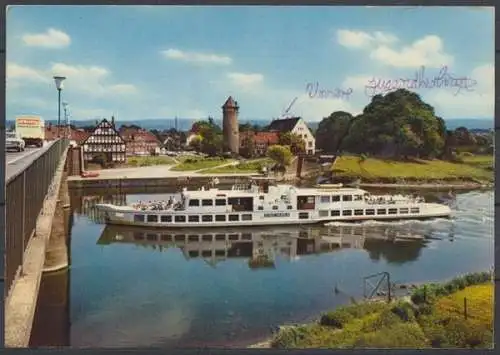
260	244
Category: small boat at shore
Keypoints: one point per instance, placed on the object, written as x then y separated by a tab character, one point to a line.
262	202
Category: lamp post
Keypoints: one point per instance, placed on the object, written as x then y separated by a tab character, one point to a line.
66	128
59	86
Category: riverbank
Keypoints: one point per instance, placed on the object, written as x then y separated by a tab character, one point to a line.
454	314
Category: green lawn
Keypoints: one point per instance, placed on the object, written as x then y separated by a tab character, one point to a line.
251	166
439	323
150	161
195	163
472	168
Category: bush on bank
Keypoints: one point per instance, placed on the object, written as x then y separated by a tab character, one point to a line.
437	322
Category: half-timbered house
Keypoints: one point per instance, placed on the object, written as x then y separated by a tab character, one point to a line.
105	143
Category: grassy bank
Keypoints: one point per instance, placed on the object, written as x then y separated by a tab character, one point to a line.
251	166
192	164
468	168
149	161
434	317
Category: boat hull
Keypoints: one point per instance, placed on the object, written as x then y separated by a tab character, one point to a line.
117	215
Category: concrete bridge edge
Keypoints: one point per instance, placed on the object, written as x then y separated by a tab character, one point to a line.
20	304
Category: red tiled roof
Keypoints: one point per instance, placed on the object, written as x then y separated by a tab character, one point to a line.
130	134
266	137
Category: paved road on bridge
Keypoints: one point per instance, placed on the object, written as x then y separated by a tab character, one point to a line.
15	162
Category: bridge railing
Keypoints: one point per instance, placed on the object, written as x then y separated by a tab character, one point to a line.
25	193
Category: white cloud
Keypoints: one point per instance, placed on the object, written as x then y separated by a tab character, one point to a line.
245	80
360	39
91	80
20	72
427	51
195	57
51	39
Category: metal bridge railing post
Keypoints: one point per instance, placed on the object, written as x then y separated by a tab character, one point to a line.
23	224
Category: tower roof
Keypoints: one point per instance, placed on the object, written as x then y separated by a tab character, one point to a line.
230	103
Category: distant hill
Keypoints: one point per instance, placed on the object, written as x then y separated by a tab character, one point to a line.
184	124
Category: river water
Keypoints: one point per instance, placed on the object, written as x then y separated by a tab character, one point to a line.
131	287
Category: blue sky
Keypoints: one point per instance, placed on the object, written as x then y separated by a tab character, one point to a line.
166	61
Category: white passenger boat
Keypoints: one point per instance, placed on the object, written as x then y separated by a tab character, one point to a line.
267	203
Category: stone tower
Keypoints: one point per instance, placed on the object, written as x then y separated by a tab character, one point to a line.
230	127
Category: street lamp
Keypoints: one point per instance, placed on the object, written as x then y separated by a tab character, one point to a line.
65	106
59	86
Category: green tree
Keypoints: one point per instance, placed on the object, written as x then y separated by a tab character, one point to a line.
248	148
294	141
331	131
195	142
280	154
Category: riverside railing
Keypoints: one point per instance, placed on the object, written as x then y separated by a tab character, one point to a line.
25	193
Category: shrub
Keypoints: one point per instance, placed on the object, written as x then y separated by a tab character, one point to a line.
465	333
288	337
404	311
337	319
385	319
401	335
424	309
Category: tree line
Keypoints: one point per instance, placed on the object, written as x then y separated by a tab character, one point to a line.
397	125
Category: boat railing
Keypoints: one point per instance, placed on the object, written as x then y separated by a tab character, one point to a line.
392	201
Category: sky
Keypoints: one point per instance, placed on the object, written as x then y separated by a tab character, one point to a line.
138	62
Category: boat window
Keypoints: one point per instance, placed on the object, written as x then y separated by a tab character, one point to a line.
234	217
233	236
220	237
166	219
323	213
220	202
179	237
370	212
358	197
151	237
347	198
152	218
382	211
335	198
305	202
347	213
325	199
194	202
246	217
415	210
194	218
180	219
206	218
289	207
138	236
206	237
138	218
358	212
275	207
246	236
260	208
393	210
335	213
220	218
310	199
166	237
403	210
193	238
261	197
303	215
207	202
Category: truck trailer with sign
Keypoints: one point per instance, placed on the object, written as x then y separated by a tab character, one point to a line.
31	129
